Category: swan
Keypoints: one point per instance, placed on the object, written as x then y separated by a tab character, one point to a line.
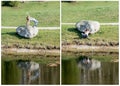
87	27
28	31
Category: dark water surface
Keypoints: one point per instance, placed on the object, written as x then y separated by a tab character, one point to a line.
78	71
29	72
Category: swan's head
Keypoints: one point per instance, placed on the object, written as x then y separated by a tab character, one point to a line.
28	17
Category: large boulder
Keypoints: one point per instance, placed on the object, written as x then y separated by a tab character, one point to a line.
92	26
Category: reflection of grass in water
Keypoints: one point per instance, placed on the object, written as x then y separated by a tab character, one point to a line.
107	35
101	57
69	72
105	58
36	58
9	69
44	39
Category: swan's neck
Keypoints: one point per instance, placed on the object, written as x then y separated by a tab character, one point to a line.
28	23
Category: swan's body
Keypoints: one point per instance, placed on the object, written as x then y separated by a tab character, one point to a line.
92	26
28	31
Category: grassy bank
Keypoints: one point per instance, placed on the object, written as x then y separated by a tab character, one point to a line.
36	58
102	11
47	13
46	39
107	36
104	57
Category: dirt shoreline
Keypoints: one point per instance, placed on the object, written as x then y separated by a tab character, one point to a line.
87	48
53	52
65	48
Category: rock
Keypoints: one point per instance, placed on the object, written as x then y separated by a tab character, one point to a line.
28	31
92	26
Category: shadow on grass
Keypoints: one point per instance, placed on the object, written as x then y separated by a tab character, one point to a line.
75	31
13	34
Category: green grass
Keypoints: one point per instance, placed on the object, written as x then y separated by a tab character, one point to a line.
47	13
107	35
44	39
102	11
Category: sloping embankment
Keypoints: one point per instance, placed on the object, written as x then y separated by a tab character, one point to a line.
87	48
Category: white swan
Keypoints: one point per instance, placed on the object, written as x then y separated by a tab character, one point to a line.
28	31
92	26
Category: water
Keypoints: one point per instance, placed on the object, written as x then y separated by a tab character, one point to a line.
29	72
78	70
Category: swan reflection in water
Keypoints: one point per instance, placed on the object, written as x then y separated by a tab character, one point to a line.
30	71
85	62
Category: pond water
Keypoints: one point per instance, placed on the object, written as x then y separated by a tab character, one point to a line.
29	72
88	70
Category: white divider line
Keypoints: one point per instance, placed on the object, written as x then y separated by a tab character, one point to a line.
8	27
44	28
53	28
68	23
50	28
100	23
109	23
